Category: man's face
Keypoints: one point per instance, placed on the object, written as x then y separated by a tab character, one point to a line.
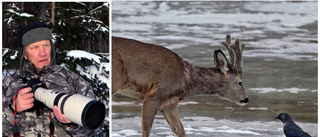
38	53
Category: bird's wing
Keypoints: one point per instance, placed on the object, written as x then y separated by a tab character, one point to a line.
305	134
292	130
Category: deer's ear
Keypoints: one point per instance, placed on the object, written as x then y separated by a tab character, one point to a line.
221	62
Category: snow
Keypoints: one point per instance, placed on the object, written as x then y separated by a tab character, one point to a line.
258	108
188	103
207	126
9	20
106	4
14	56
226	129
92	71
26	15
270	89
96	21
104	29
6	50
114	103
61	23
170	16
20	14
164	22
107	67
81	3
83	54
127	132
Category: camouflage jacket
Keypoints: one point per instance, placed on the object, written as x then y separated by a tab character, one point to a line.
36	122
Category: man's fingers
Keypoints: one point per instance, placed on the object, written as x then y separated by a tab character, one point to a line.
28	101
24	91
29	95
25	107
24	97
56	109
61	117
56	112
24	100
28	106
65	119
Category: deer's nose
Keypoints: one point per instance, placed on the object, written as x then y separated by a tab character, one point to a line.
244	101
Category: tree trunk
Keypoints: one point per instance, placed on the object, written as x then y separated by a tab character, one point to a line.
42	10
53	6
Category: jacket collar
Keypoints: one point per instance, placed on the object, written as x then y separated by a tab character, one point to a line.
30	71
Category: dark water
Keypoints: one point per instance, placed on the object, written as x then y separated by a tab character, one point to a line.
280	63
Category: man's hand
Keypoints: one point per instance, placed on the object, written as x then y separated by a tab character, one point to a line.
24	100
59	116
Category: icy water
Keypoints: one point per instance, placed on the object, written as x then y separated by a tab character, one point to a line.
280	63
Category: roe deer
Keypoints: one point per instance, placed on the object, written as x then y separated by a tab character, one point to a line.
161	78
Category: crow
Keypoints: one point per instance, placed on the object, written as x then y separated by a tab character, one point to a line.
290	129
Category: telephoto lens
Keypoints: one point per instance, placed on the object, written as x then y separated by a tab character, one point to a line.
77	108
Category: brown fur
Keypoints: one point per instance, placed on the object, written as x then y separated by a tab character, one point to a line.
161	78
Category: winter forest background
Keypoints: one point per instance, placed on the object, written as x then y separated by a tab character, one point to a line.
81	39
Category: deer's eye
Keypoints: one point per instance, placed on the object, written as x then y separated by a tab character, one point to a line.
240	84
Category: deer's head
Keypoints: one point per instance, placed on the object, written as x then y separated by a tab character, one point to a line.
230	86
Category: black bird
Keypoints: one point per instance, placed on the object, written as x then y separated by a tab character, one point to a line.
290	129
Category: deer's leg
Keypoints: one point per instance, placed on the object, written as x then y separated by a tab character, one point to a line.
149	110
170	111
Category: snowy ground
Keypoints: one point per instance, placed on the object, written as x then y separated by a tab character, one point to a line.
206	126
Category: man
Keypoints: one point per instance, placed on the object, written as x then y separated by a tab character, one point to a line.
24	115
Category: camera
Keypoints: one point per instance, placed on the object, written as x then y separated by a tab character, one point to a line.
79	109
